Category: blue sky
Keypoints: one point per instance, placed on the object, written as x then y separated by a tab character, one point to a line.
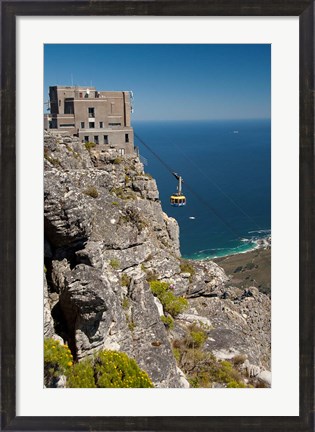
174	82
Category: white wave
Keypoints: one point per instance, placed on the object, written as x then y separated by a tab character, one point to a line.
260	231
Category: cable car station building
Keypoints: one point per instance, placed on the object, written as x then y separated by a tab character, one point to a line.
101	117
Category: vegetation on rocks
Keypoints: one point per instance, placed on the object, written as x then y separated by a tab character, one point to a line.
114	263
57	361
167	321
134	217
116	370
117	161
81	375
91	191
107	369
171	304
195	336
54	161
202	369
187	267
125	280
89	145
124	194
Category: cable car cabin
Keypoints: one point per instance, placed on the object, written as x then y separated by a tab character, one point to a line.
178	200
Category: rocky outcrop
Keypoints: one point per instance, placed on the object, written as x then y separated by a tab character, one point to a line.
240	325
106	237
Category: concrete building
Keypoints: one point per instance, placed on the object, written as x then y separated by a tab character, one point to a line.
102	117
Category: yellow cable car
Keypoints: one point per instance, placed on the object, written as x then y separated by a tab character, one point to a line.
178	199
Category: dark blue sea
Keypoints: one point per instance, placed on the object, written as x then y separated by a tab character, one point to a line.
226	167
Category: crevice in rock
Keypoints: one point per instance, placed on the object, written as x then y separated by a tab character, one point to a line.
63	329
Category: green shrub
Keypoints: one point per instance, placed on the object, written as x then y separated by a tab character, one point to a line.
116	370
195	337
134	217
89	145
151	274
123	194
91	191
125	280
115	203
131	324
238	359
125	303
117	161
167	321
51	159
171	304
177	354
114	263
236	384
201	368
186	267
57	361
108	369
81	375
159	288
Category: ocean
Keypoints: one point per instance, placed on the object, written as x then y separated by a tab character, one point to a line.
226	168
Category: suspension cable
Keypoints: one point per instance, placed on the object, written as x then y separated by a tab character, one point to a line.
205	203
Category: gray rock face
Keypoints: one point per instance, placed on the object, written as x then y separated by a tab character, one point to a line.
265	377
240	324
48	320
103	225
106	236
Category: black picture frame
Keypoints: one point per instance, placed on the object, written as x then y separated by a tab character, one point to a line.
304	9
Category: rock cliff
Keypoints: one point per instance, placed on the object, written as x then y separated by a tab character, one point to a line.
106	238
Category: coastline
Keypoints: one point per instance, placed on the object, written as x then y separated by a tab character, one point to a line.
249	267
252	268
247	246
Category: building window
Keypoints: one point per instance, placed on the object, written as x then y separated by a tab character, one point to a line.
80	94
121	151
59	102
91	112
69	107
86	95
114	124
101	125
86	138
105	139
96	139
112	107
127	138
66	125
82	125
91	125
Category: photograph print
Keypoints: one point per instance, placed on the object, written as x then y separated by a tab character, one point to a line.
157	216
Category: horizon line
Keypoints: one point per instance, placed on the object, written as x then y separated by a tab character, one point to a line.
207	119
